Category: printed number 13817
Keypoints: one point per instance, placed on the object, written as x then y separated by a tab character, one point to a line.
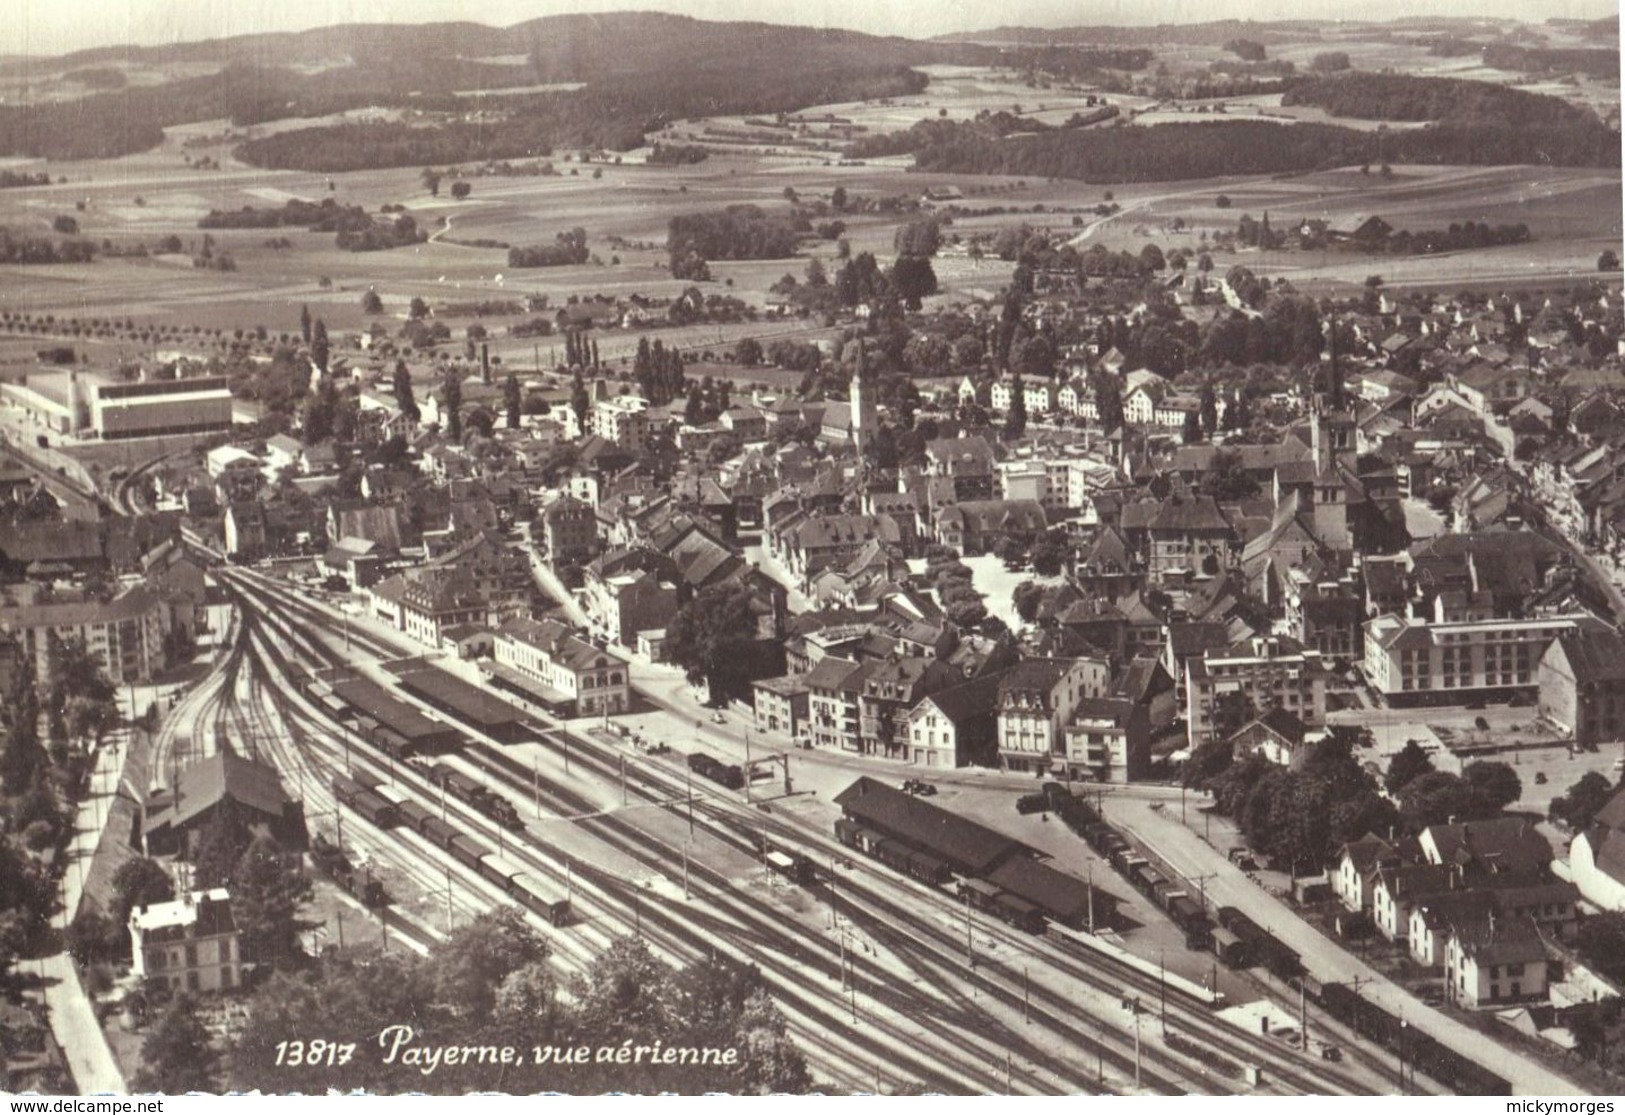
296	1054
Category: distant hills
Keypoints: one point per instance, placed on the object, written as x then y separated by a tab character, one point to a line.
636	68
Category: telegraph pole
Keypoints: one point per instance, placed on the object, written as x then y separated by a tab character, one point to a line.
685	872
623	780
536	785
970	947
1162	989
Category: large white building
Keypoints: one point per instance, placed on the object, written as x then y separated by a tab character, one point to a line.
623	420
548	653
74	402
1412	661
191	943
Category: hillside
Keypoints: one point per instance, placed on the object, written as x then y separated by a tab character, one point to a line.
633	65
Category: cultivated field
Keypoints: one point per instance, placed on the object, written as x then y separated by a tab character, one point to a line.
625	208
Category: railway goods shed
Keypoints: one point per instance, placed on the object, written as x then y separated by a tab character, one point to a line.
1061	896
485	713
965	846
393	715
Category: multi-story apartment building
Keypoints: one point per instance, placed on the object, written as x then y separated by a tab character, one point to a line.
1109	738
190	943
125	636
1413	661
1270	671
548	652
890	690
1036	701
1190	538
570	532
623	420
834	686
427	602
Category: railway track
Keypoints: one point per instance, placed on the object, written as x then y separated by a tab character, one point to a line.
921	945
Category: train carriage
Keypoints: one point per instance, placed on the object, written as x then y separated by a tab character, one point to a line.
500	871
467	850
792	865
392	743
543	896
1231	950
376	809
978	892
928	869
1019	912
439	832
414	814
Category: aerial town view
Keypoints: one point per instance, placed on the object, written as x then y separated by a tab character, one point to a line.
626	552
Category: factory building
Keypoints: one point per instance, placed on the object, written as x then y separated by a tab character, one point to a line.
92	405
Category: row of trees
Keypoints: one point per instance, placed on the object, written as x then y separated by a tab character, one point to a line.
568	249
1301	817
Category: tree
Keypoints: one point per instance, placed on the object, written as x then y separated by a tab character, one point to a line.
1108	400
178	1056
1408	763
1223	201
404	398
81	699
304	323
1498	785
1027	597
837	199
1015	420
431	181
137	883
694	406
24	755
1210	410
913	278
461	189
319	346
513	400
1226	480
1581	803
748	352
1050	553
1437	797
1601	943
712	636
321	411
627	991
1608	261
580	401
371	303
1191	433
452	404
417	309
478	957
268	890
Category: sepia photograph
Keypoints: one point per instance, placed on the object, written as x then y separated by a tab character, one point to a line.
1044	549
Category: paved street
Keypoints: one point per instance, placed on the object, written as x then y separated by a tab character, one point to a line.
72	1015
1186	851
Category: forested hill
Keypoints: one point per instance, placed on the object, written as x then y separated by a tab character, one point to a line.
632	64
1168	152
1369	96
1214	33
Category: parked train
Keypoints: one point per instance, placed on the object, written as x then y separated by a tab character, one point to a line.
476	795
1460	1074
360	793
367	794
331	861
729	775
